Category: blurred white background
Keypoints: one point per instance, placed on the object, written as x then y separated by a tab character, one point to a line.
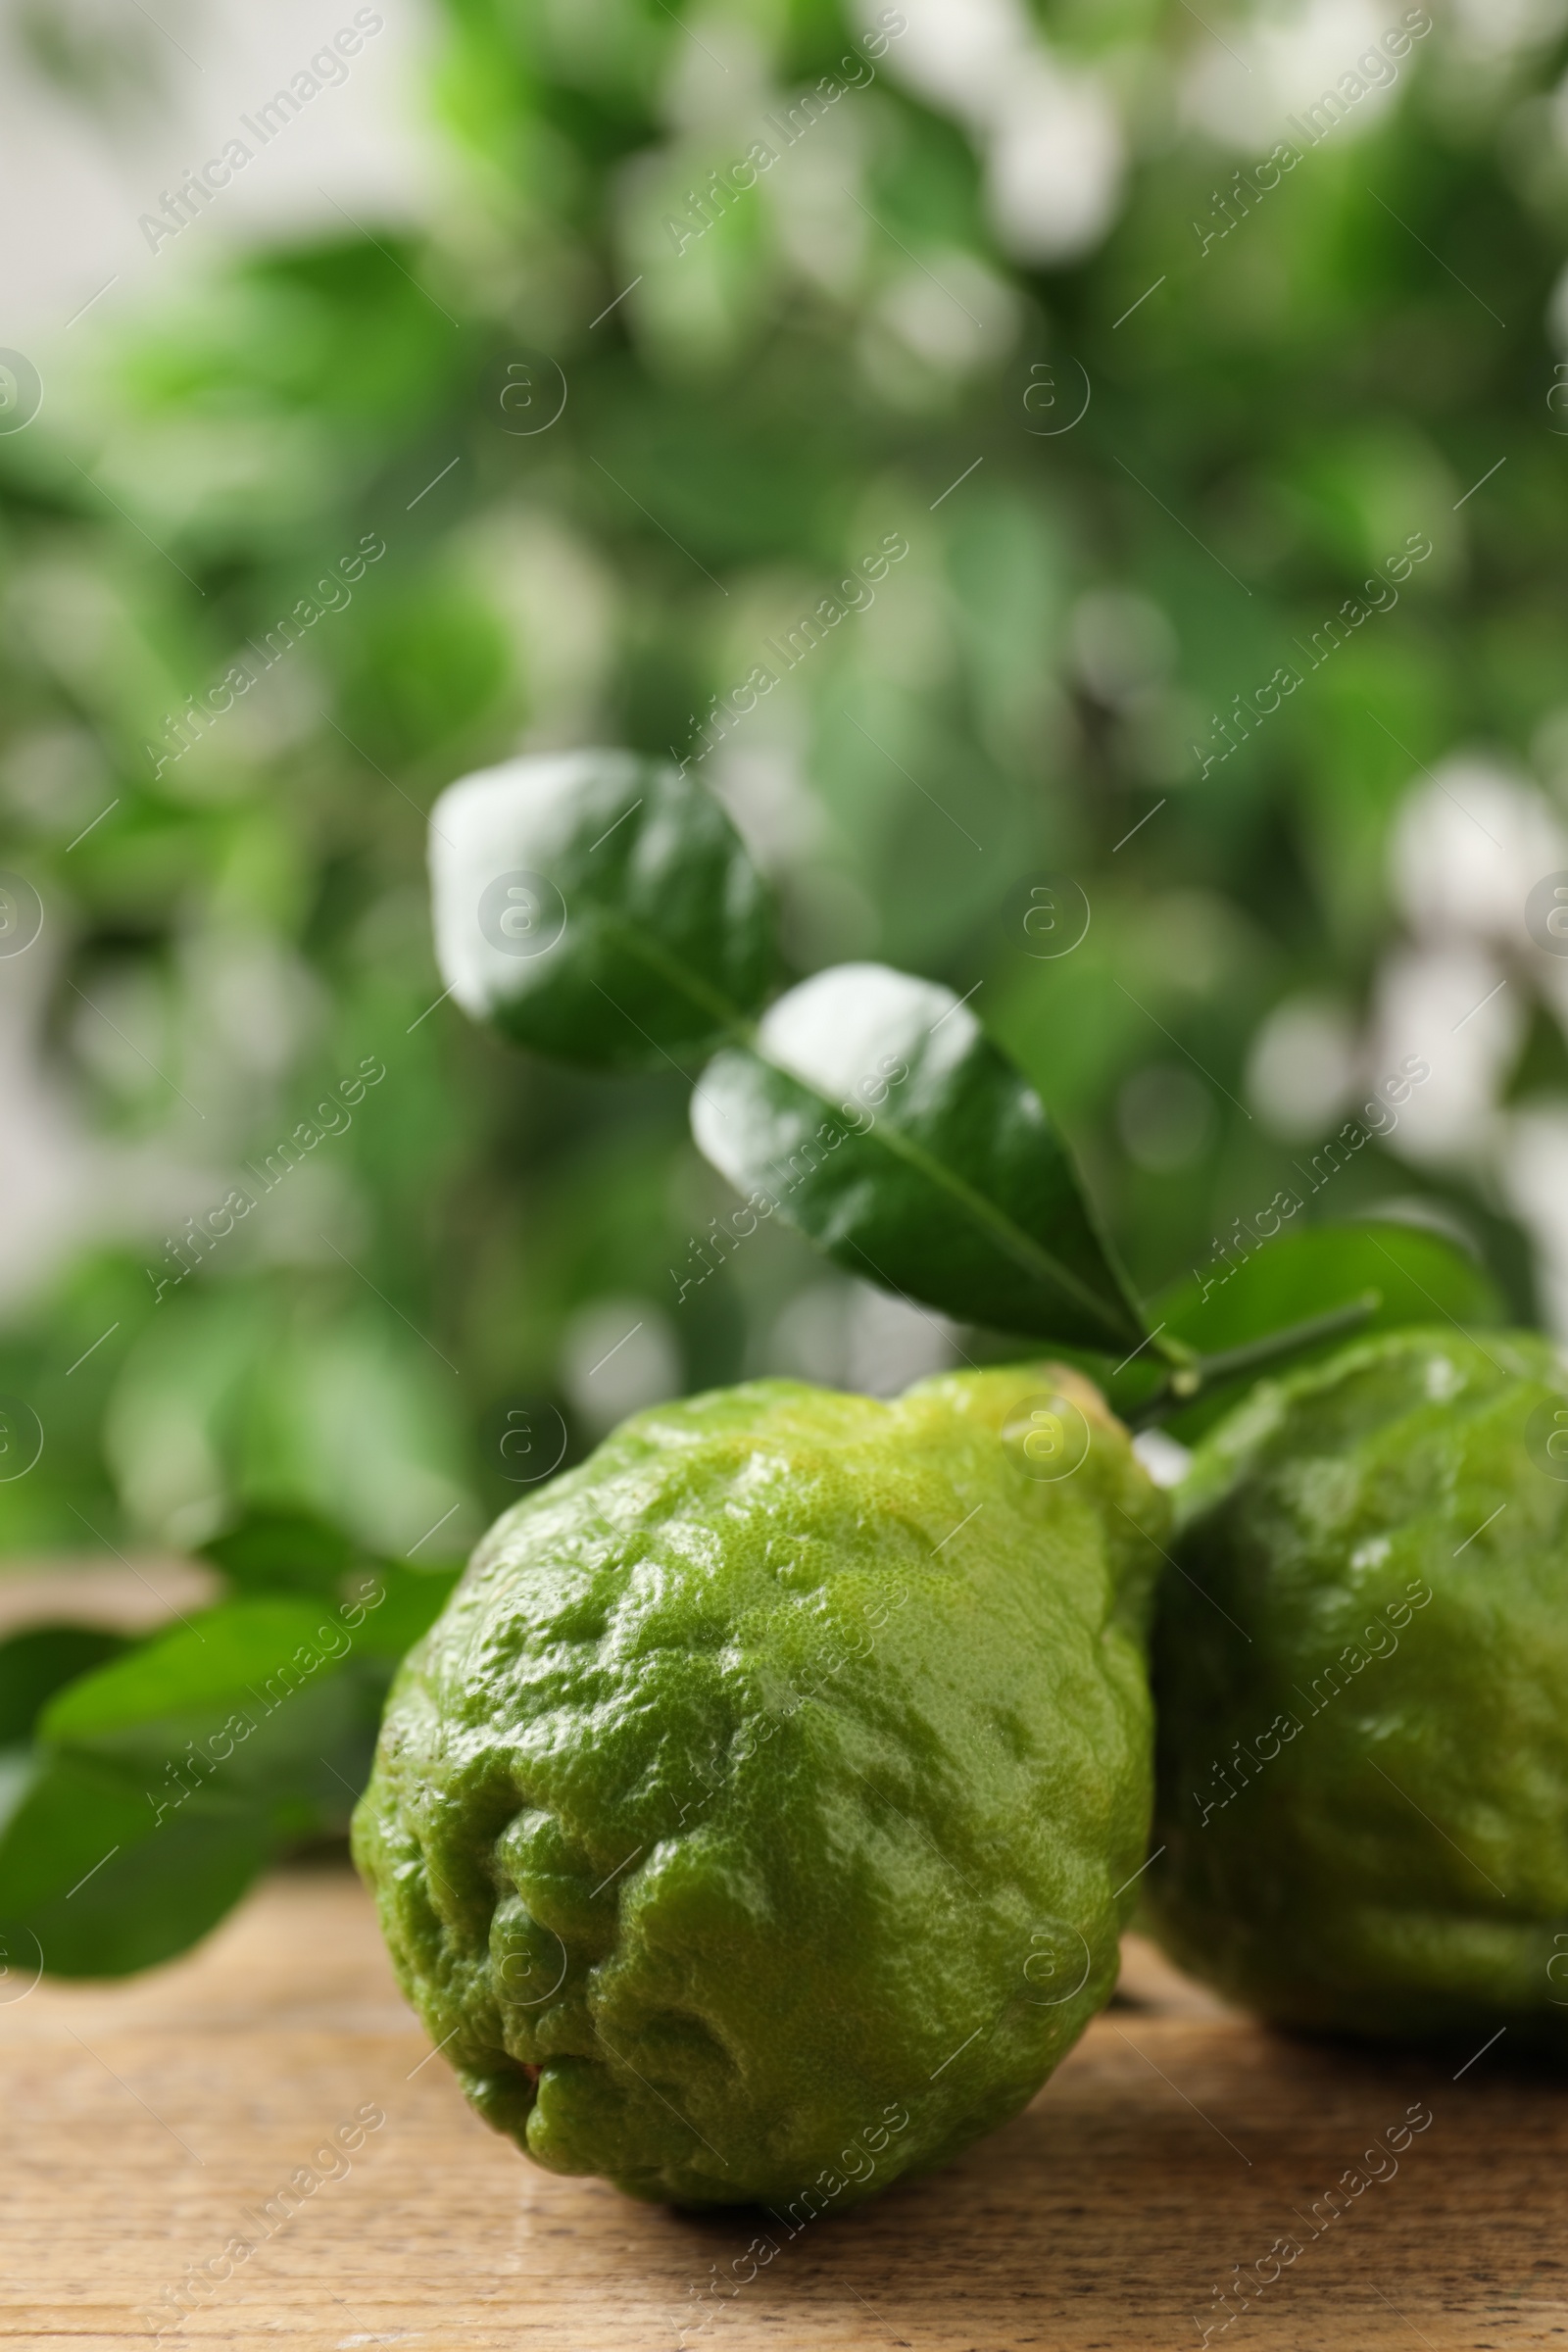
105	104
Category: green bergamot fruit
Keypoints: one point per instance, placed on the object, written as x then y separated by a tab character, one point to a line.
1362	1686
755	1822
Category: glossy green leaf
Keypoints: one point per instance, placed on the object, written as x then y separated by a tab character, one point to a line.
283	1551
877	1116
35	1664
94	1884
600	909
1418	1275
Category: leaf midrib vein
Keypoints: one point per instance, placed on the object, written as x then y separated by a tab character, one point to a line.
1019	1246
669	968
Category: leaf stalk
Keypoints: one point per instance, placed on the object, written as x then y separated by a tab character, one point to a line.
1198	1374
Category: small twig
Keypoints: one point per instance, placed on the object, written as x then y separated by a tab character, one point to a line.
1191	1381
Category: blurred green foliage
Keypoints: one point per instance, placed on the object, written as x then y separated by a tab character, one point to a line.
847	349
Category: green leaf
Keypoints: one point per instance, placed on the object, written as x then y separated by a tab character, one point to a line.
168	1775
208	1664
1420	1276
35	1664
93	1884
410	1600
271	1704
600	909
876	1115
283	1551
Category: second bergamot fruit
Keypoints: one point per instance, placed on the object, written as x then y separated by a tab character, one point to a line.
1362	1679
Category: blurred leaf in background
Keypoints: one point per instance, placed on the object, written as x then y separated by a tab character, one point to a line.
1087	506
144	1784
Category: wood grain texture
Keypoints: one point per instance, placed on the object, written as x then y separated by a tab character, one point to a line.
147	2124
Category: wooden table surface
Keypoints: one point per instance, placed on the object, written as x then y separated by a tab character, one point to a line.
146	2123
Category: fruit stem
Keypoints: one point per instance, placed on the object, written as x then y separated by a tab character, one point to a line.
1191	1381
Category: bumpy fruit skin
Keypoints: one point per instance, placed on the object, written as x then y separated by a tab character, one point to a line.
756	1819
1362	1686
